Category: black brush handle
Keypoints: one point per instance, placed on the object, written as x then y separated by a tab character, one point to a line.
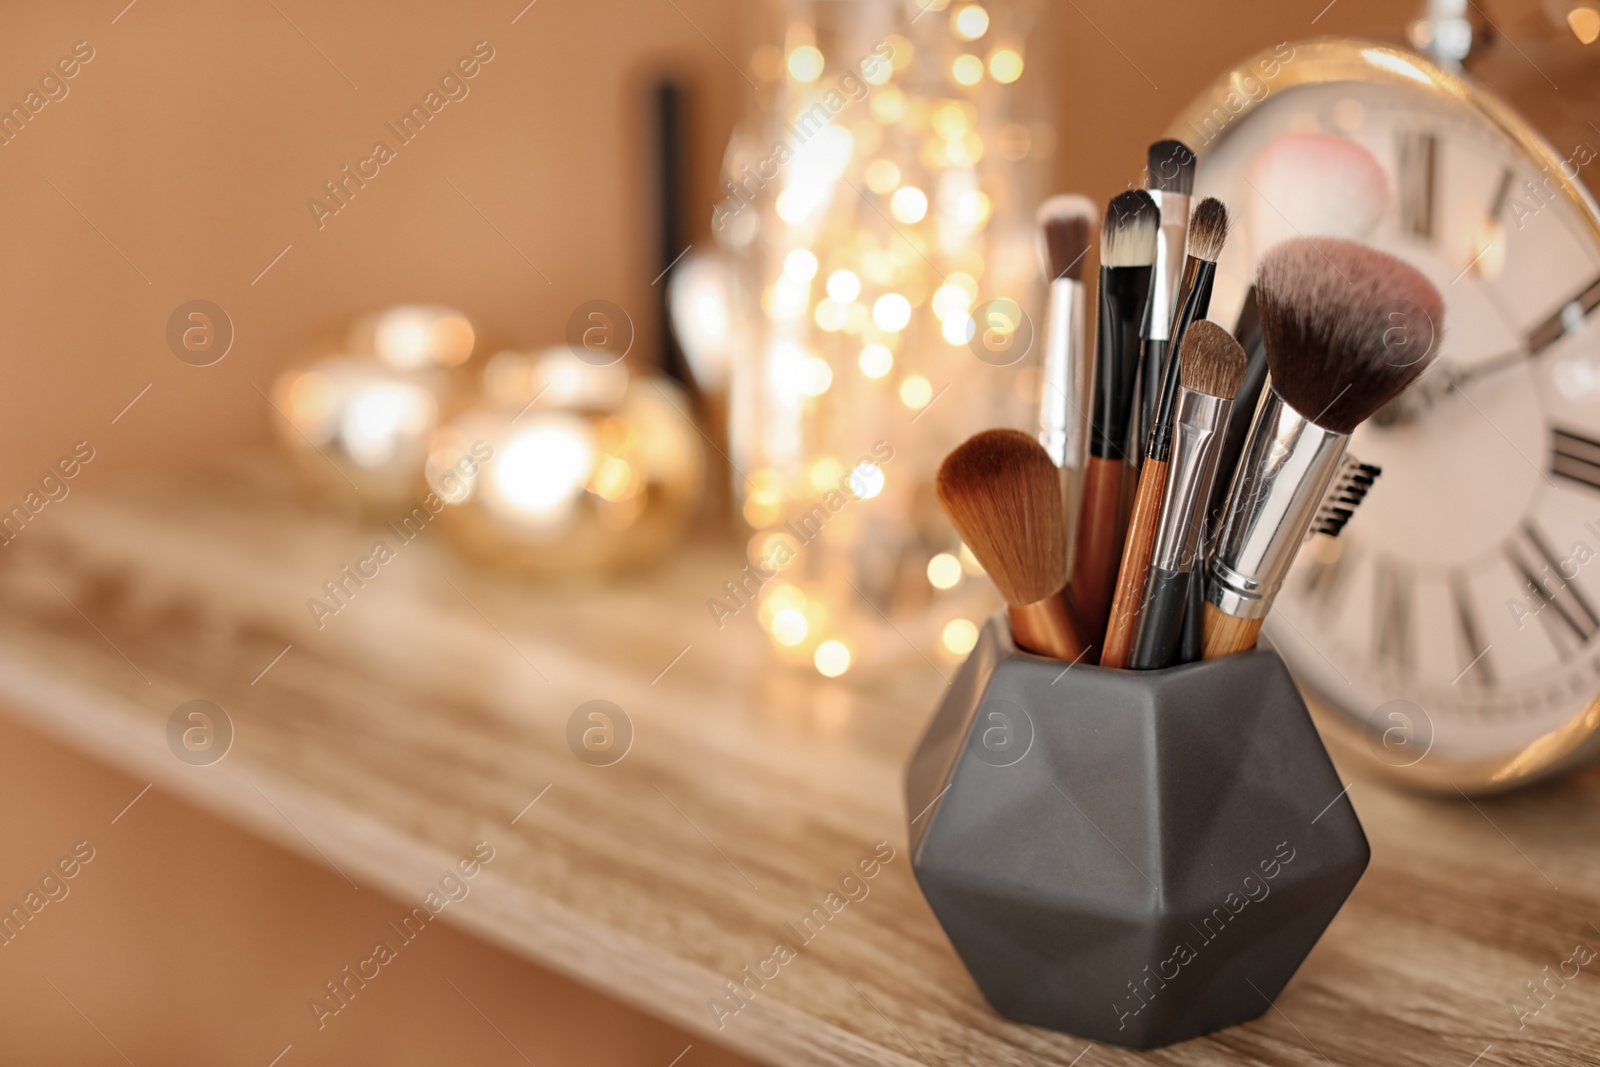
1155	361
1123	292
1196	292
1248	333
1166	595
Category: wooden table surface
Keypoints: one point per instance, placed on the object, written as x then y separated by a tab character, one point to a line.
431	710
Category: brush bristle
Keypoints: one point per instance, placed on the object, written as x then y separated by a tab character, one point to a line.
1346	327
1171	165
1211	361
1003	495
1128	238
1065	222
1314	185
1208	229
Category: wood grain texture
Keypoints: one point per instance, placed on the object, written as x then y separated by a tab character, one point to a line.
1226	634
1097	548
428	712
1137	550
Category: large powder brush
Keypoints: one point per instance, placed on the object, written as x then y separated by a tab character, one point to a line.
1347	328
1003	495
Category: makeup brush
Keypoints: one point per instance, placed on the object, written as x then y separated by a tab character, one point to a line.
1350	487
1207	233
1003	495
1064	226
1303	185
1211	363
1127	250
1346	329
1170	169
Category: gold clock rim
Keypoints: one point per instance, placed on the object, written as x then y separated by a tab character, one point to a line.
1334	59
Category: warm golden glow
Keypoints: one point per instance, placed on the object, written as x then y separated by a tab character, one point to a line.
831	316
952	118
805	63
915	392
959	636
538	473
900	57
789	627
411	337
970	22
1585	23
888	106
801	265
951	302
832	658
815	376
876	361
311	399
843	285
776	597
908	204
867	480
969	562
967	69
882	176
944	571
1005	65
891	312
825	473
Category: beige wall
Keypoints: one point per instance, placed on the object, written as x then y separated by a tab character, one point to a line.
196	135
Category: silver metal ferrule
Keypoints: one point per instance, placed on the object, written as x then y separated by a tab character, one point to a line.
1284	472
1165	279
1064	400
1198	423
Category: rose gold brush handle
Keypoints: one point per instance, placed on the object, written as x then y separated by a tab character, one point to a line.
1046	628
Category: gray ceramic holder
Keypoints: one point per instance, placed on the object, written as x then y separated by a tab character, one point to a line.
1135	857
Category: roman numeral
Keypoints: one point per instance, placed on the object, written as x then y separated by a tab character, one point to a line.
1501	193
1391	631
1469	640
1418	155
1575	458
1568	617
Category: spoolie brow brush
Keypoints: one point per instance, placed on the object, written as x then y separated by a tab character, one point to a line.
1346	328
1127	250
1211	363
1208	231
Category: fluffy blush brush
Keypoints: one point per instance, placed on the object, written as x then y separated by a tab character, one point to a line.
1347	328
1003	495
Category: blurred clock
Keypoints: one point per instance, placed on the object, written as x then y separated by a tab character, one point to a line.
1452	635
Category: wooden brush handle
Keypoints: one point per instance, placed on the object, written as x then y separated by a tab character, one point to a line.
1099	543
1140	546
1227	634
1046	628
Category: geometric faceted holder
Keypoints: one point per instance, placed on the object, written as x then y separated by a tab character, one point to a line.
1134	857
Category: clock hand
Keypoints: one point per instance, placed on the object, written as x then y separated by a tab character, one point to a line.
1443	382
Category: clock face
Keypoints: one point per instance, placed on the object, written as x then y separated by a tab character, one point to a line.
1458	616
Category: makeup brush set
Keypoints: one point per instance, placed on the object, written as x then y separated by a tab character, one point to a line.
1116	754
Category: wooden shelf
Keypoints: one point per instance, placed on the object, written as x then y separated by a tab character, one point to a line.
428	713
